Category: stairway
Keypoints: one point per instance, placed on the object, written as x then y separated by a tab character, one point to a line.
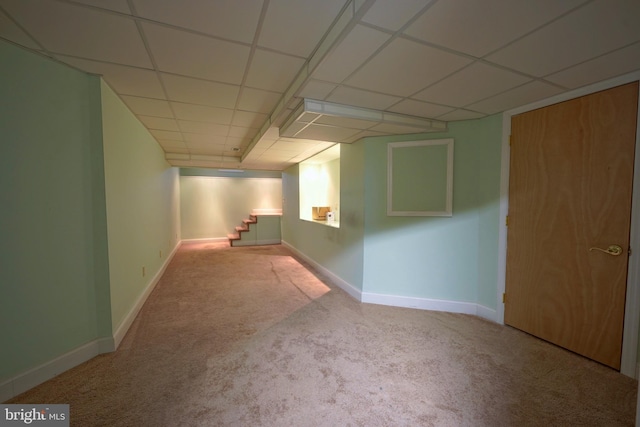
244	228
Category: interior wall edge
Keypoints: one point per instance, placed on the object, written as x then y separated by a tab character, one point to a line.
123	327
340	282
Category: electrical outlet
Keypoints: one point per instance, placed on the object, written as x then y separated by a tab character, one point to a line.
144	271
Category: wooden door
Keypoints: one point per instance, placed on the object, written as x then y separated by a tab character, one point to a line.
570	191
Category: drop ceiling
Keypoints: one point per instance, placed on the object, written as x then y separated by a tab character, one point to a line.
214	81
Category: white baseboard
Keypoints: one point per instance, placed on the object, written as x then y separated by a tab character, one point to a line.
237	243
401	301
73	358
268	242
52	368
487	313
126	323
206	240
430	304
342	284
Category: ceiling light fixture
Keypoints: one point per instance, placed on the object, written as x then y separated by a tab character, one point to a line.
328	121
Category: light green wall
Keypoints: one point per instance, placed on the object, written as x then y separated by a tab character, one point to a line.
415	168
340	250
53	246
438	257
211	207
142	195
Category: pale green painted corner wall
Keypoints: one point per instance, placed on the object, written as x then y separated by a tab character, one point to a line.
439	258
54	279
142	198
340	250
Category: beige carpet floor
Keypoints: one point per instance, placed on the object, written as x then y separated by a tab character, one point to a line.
250	336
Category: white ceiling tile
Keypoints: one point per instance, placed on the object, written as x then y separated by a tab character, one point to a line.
228	19
326	133
471	84
404	67
321	145
202	92
363	134
209	129
195	55
293	128
116	5
589	32
308	117
359	44
393	14
255	153
605	67
241	132
202	113
124	80
148	107
212	150
461	114
344	122
259	101
10	31
263	145
172	146
234	141
292	146
272	71
276	156
521	95
390	128
198	140
229	153
296	26
250	120
419	109
362	98
166	135
478	27
271	133
86	32
317	90
159	123
169	148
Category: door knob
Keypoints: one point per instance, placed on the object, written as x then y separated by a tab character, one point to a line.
614	250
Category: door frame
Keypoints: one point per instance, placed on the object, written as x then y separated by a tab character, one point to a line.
628	366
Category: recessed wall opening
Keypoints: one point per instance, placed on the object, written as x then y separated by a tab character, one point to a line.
320	188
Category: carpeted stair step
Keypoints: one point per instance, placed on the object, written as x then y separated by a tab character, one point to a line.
242	228
252	220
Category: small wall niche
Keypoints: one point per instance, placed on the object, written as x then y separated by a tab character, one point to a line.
420	178
320	188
